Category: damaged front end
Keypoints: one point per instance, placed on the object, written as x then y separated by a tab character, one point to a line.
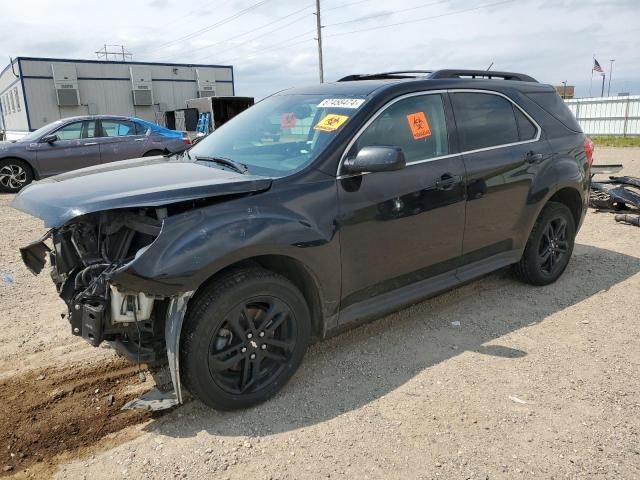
84	255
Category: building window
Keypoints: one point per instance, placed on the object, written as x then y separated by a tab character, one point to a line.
13	105
15	94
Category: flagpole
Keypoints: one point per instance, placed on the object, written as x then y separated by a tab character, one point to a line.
591	83
604	75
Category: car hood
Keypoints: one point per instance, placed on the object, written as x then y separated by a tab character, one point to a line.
145	182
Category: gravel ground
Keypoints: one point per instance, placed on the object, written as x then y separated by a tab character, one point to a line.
533	383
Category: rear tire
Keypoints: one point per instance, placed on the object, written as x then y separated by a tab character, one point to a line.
244	336
549	247
15	174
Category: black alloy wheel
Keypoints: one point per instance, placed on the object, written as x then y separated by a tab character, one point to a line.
245	334
253	345
549	247
553	245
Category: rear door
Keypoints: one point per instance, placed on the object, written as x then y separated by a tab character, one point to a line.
75	148
402	227
503	155
121	140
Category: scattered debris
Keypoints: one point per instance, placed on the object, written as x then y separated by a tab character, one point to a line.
153	400
455	323
615	194
630	219
6	278
517	400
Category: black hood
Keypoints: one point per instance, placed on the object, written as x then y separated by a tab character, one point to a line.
145	182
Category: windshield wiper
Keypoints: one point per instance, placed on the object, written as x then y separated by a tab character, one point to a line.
227	162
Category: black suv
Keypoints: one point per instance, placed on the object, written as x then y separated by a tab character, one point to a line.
313	210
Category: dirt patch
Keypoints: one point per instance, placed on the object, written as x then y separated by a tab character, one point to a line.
54	410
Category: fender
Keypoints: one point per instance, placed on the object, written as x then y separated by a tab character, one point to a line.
571	170
195	245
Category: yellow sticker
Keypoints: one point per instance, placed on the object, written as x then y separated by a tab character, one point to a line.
331	122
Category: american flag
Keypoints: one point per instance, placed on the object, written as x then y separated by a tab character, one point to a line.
596	67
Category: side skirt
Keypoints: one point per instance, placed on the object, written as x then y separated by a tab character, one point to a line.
403	297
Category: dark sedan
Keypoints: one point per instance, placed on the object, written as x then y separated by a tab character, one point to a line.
78	142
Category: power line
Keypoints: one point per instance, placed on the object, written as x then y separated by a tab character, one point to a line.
386	14
211	45
420	19
270	48
212	26
345	5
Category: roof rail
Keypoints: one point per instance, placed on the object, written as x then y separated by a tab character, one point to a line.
386	75
440	74
486	74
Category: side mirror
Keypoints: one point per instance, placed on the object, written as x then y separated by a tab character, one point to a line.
49	138
375	159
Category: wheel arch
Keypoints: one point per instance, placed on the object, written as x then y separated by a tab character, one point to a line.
34	171
570	197
293	270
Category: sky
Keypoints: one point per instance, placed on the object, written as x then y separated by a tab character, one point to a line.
272	46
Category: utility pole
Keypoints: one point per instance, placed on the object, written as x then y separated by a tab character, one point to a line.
564	89
319	25
610	75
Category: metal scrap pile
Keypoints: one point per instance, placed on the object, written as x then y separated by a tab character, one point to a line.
618	194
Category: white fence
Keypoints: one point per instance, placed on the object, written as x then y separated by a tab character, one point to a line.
607	115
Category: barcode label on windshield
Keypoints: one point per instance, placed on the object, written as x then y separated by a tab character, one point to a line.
341	103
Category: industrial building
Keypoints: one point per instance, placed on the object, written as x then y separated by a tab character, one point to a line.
37	91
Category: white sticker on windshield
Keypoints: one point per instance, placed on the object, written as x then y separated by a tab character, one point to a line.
341	103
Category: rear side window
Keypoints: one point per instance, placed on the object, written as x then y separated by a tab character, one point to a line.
526	129
140	129
118	128
555	106
484	120
415	124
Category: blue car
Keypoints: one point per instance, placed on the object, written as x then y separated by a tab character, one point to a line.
78	142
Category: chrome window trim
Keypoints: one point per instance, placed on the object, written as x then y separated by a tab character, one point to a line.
451	155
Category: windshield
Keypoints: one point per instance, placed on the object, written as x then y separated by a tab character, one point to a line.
281	134
35	135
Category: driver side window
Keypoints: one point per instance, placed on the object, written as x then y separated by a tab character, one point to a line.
73	131
415	124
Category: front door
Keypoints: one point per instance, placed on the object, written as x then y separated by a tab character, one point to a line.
503	157
75	147
121	140
405	226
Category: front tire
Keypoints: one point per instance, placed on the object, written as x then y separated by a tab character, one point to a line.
549	247
15	174
244	337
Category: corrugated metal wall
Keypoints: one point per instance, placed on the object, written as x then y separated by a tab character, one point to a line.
13	113
607	115
106	88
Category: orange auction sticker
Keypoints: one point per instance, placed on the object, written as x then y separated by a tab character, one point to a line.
418	125
331	122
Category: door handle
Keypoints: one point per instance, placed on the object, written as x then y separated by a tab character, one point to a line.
533	157
139	139
447	181
90	143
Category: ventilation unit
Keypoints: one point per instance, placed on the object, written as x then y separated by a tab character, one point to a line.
65	80
142	86
206	82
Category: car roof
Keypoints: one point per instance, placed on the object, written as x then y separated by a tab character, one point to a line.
95	117
363	87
